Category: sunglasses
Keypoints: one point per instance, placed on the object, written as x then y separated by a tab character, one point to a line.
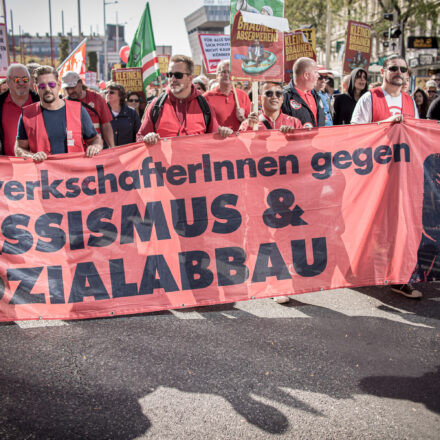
322	77
110	92
17	79
177	75
396	68
133	100
270	93
51	84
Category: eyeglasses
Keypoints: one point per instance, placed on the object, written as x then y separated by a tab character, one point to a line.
177	75
110	92
17	79
432	91
133	100
270	93
51	84
396	68
322	77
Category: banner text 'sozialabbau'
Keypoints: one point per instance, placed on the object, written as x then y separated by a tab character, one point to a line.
199	220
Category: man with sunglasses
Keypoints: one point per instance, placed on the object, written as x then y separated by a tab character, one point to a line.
181	110
11	103
271	117
54	126
386	103
300	98
93	102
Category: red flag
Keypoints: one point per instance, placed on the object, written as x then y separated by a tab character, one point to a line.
76	61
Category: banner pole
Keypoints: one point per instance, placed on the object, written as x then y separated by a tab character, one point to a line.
255	100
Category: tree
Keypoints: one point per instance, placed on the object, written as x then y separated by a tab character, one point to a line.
64	48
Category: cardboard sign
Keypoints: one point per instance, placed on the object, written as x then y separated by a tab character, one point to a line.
296	45
130	78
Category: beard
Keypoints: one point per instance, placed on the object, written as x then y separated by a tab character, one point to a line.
396	81
48	98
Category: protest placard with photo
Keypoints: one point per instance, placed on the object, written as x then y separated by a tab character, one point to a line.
358	47
296	45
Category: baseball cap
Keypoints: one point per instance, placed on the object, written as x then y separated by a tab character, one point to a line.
70	79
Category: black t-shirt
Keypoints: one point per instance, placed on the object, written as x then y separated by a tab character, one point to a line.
56	128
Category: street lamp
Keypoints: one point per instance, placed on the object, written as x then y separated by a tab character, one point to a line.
104	4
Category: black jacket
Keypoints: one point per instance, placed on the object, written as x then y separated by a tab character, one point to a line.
344	104
125	125
3	97
294	105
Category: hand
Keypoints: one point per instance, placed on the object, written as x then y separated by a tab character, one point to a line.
240	114
287	129
39	157
394	118
93	150
224	132
151	138
252	119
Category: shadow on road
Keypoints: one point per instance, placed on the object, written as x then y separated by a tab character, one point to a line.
85	380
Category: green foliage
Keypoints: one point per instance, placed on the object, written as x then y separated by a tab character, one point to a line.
63	46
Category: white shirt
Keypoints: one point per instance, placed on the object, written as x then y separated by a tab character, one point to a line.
363	111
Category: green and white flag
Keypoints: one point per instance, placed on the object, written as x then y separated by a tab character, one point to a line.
143	50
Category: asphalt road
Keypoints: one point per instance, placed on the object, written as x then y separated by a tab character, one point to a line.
343	364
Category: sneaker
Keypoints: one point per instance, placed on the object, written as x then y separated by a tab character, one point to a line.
281	299
407	290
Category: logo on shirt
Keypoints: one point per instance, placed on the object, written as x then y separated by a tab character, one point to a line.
307	125
91	104
295	105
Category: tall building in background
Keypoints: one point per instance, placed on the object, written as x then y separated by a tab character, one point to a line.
211	18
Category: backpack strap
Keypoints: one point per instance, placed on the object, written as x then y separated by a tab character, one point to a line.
205	110
157	108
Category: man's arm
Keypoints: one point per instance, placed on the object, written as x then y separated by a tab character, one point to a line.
22	150
107	134
94	146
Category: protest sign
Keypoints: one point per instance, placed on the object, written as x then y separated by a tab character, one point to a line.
215	48
358	46
199	220
296	45
91	78
274	8
164	62
4	53
130	78
256	52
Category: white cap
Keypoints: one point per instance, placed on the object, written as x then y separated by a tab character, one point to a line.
70	79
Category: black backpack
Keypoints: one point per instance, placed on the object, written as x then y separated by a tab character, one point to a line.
202	103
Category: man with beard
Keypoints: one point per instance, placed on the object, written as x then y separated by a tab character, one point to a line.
54	126
181	110
11	103
386	103
94	103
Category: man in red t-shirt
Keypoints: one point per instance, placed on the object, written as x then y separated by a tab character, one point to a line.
94	103
223	100
271	116
11	103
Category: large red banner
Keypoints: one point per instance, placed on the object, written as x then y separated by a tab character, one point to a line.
200	220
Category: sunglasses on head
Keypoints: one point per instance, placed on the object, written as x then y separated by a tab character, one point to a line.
133	100
51	84
396	68
177	75
17	79
270	93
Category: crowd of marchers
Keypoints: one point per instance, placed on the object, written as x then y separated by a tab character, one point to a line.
42	115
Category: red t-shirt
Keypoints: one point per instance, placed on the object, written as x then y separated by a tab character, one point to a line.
281	120
98	103
309	99
10	115
225	108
